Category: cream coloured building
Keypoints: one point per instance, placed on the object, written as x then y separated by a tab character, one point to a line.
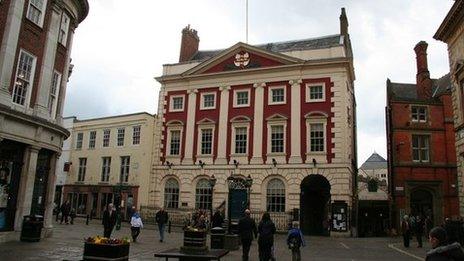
268	127
451	31
111	160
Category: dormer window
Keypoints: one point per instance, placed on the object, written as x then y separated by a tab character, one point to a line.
418	113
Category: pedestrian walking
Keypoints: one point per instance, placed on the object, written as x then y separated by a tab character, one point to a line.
247	231
440	250
295	240
406	230
65	209
217	219
136	225
161	218
419	230
72	215
266	231
58	210
109	220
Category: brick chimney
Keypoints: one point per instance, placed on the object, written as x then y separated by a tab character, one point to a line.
423	81
189	44
343	23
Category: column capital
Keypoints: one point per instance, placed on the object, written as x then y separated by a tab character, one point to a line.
194	91
259	85
295	82
224	88
33	148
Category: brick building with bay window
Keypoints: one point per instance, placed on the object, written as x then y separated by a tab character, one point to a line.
270	127
420	145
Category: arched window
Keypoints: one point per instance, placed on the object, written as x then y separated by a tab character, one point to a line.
171	193
203	194
275	196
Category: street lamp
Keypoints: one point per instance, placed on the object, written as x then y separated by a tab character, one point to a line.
212	183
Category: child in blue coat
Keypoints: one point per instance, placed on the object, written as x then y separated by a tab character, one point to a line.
295	240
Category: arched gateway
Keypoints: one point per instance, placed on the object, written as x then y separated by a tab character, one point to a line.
314	205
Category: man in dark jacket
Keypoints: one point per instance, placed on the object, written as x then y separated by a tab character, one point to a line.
217	219
247	231
161	218
419	230
109	220
65	209
441	251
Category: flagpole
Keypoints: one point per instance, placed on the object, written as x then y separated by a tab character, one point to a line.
246	21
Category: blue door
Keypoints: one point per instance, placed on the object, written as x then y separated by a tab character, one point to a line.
238	202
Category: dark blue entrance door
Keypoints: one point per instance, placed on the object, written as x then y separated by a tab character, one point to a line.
238	199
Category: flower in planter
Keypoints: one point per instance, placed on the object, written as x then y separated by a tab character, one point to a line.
107	241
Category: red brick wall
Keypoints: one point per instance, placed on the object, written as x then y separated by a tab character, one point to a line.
178	116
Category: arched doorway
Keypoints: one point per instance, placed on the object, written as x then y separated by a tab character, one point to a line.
421	202
314	205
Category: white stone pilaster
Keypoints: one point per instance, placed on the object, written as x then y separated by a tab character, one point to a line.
258	124
295	122
190	128
26	186
50	195
222	132
65	78
8	48
48	65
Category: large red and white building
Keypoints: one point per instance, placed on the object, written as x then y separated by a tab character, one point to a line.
275	121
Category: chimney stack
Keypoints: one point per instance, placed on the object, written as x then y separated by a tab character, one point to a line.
189	44
343	23
423	81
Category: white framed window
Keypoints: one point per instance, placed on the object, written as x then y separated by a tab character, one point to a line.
203	195
92	139
125	167
54	92
206	141
176	103
174	142
106	169
208	101
421	148
277	95
277	139
276	136
171	194
106	137
36	11
79	139
317	137
241	98
315	92
136	135
24	78
275	196
120	137
240	140
419	113
64	27
82	169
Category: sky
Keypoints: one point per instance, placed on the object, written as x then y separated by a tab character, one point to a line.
119	48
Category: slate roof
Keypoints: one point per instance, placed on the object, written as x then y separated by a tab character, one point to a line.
408	91
296	45
375	161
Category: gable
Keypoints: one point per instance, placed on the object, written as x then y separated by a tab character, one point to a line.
243	60
241	56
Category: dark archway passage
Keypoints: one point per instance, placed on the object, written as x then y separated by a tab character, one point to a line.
422	203
314	205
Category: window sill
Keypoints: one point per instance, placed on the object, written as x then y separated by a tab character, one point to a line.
314	101
179	110
277	103
241	105
276	154
207	108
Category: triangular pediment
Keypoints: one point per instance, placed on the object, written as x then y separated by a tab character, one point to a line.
276	117
205	121
242	56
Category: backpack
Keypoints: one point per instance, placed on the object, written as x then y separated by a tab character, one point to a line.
294	240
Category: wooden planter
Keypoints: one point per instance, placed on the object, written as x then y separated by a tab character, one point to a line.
194	242
94	251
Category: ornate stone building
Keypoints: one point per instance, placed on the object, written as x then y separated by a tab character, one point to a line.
420	145
451	31
35	47
270	127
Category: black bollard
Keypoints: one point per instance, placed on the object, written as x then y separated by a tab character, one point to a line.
169	227
87	219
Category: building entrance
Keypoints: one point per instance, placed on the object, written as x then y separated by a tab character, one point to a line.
422	203
314	205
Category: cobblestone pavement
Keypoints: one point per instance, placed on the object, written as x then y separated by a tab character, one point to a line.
67	244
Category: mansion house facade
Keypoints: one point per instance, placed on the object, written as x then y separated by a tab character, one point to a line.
268	127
